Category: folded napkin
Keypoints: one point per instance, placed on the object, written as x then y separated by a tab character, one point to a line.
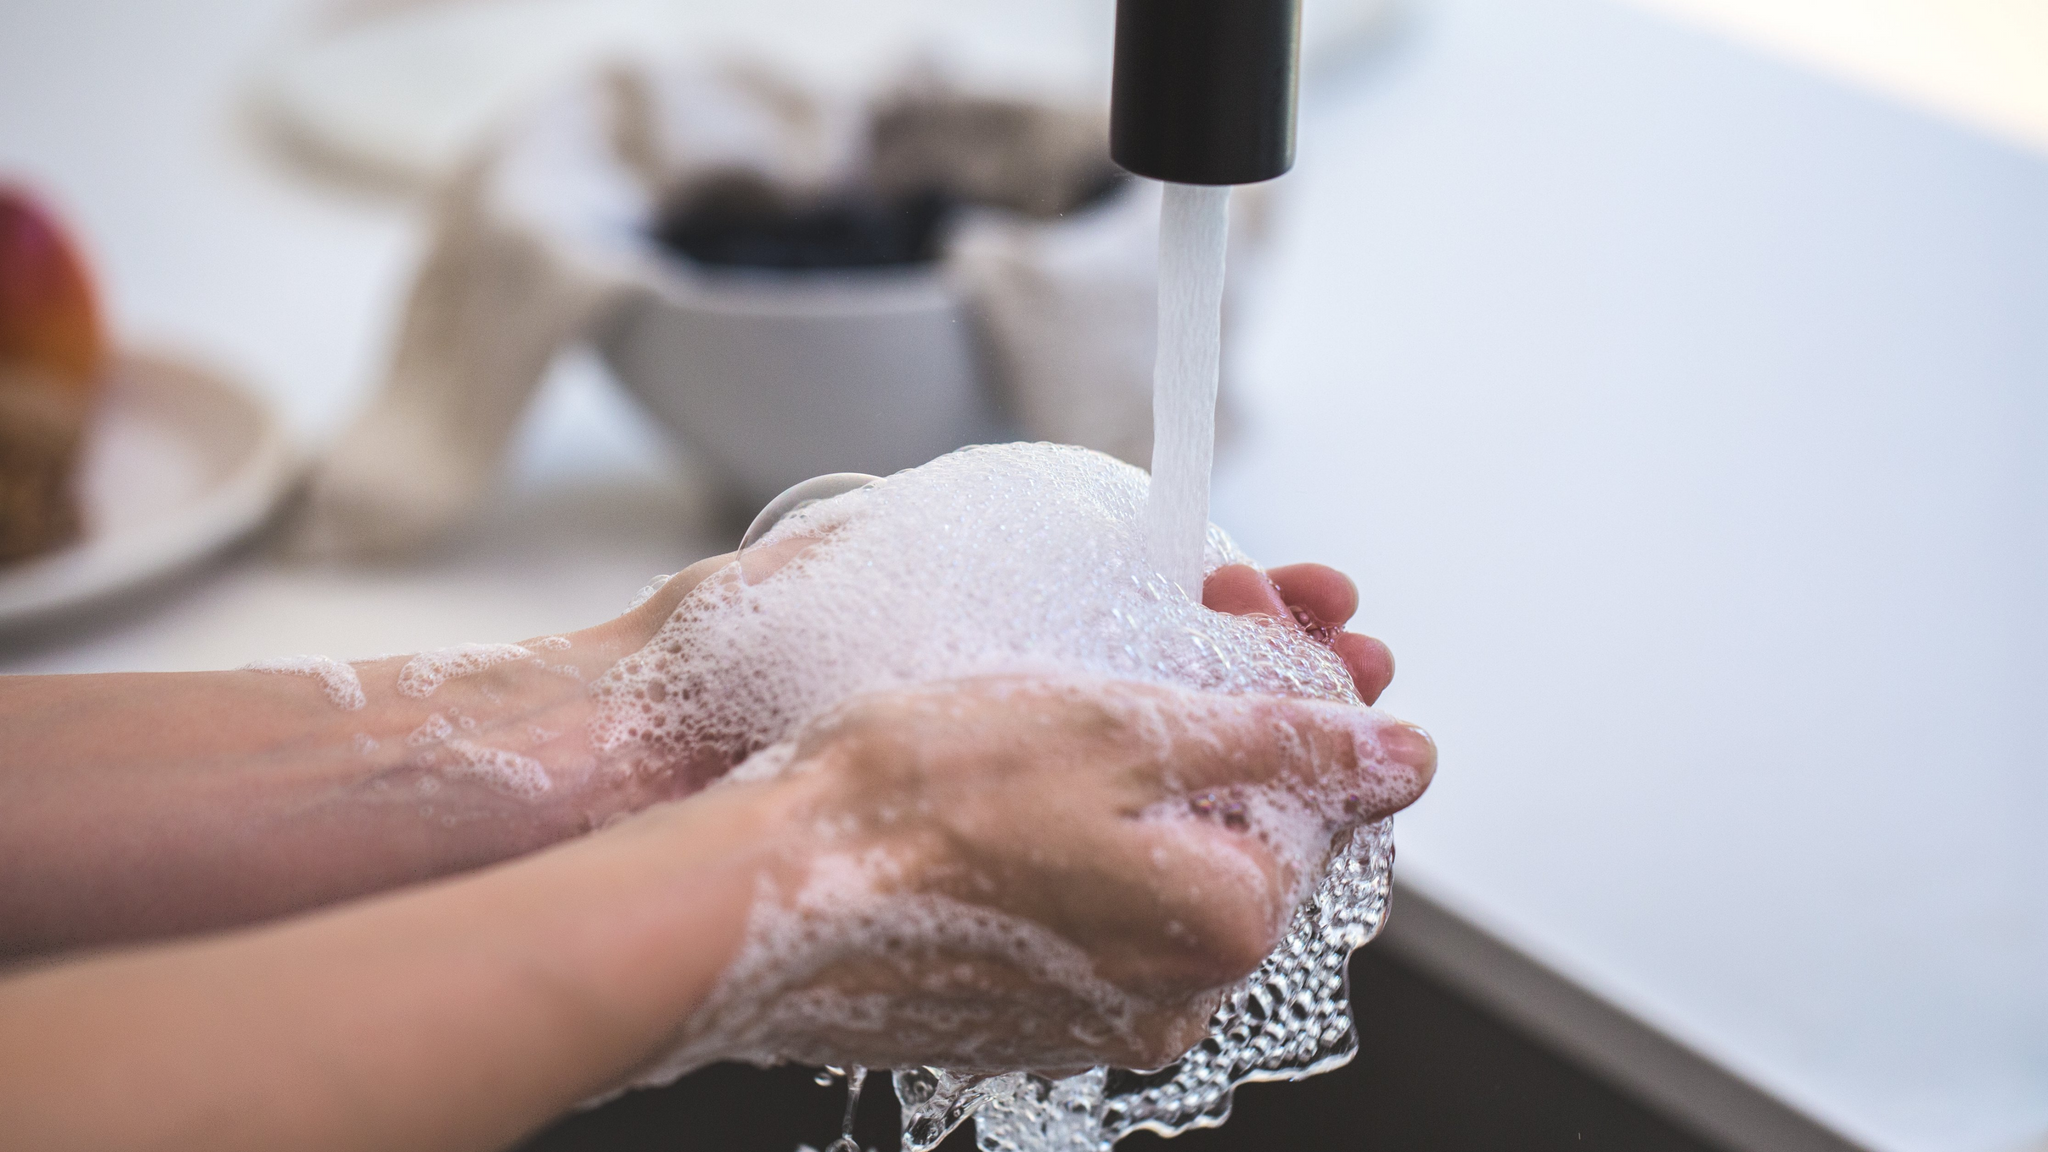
546	234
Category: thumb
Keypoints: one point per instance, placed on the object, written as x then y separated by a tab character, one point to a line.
1371	763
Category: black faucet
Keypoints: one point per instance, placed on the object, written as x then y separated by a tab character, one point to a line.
1204	90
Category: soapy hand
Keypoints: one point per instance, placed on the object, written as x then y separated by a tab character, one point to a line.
1009	872
1313	597
1002	872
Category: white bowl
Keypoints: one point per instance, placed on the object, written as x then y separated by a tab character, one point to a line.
773	377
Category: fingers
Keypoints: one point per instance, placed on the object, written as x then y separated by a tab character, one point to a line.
1370	764
1240	775
1225	895
1241	590
1316	598
1371	663
1166	833
1325	594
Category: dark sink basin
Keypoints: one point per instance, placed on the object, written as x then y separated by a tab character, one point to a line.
1436	1074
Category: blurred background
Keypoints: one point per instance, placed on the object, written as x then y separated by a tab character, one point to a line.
1672	375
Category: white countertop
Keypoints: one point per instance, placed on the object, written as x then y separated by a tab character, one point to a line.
1682	415
1685	418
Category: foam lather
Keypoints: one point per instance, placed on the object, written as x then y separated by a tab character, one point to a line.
1019	559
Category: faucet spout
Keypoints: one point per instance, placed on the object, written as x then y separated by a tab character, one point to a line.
1204	90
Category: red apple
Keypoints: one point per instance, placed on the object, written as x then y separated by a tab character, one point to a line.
49	315
51	351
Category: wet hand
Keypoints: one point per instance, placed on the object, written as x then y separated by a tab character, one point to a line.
1315	598
1006	872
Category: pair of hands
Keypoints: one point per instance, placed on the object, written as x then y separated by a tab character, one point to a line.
222	799
394	1013
1087	809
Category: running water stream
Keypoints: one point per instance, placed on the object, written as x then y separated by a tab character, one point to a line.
1194	227
855	1077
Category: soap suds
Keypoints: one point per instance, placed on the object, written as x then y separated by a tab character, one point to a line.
336	679
508	772
1010	559
434	729
429	670
1004	559
837	915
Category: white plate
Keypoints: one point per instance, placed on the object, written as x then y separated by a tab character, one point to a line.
404	96
179	464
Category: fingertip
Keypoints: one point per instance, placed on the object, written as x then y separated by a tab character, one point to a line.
1382	765
1325	593
1241	590
1370	662
1411	747
1397	762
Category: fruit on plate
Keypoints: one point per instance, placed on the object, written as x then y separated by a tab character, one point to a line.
52	355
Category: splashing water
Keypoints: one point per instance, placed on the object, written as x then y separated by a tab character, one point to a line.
855	1077
1289	1019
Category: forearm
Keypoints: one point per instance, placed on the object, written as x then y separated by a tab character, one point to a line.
139	806
458	1015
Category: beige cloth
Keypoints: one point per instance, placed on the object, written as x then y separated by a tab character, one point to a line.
539	240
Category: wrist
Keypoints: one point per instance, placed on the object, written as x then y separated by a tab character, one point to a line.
481	767
669	896
633	629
